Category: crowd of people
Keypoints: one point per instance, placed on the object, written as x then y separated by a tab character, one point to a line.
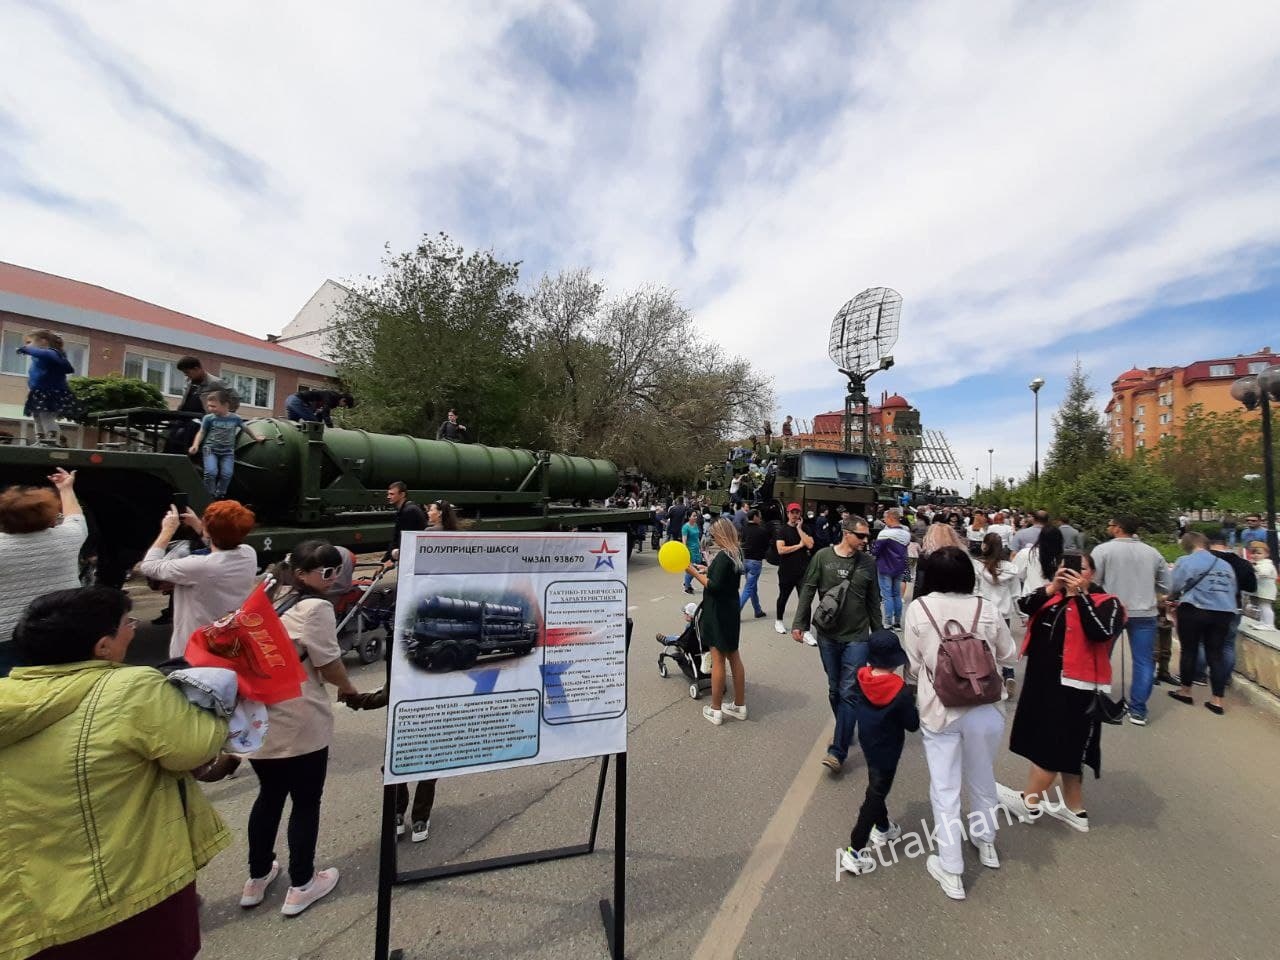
977	579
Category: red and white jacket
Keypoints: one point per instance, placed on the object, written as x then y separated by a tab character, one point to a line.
1088	624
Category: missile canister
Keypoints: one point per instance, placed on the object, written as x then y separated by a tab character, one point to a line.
447	608
273	470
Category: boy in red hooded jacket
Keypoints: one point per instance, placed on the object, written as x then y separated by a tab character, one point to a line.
886	711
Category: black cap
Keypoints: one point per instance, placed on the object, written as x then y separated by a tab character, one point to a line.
884	650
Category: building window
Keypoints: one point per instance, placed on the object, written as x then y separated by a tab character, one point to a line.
1166	418
162	374
1257	366
17	363
254	391
1142	410
1142	443
1140	428
1222	369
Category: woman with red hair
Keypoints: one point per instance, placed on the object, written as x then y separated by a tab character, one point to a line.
205	586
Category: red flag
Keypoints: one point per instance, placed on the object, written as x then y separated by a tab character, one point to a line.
254	643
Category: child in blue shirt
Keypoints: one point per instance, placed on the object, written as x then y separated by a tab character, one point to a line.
217	435
47	392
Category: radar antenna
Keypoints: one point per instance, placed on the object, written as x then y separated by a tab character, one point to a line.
862	334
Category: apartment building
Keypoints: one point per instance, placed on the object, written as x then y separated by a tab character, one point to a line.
1148	404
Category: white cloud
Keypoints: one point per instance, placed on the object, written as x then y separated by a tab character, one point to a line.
1020	172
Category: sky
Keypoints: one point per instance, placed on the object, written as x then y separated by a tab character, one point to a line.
1041	181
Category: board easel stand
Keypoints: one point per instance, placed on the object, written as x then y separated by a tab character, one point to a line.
613	913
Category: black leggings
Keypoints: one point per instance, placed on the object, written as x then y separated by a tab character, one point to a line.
424	798
874	811
302	780
1208	627
784	594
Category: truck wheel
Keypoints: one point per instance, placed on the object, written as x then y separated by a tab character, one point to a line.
371	649
467	658
446	658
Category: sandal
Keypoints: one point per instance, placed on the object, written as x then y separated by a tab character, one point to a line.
1214	708
1181	697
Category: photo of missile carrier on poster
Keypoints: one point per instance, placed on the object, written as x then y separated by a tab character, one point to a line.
510	649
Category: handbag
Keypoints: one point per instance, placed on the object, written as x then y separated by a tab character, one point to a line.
1103	709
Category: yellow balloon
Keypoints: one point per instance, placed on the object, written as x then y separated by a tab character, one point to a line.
673	557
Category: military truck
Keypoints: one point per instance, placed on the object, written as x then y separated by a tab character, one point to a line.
813	478
451	634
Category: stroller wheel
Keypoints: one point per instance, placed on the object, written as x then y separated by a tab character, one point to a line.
694	691
662	668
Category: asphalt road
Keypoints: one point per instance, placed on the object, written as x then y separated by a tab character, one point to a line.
733	830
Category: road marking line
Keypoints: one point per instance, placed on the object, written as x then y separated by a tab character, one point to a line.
656	599
729	925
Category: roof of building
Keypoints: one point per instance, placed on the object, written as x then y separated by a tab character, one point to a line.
1133	374
61	300
896	400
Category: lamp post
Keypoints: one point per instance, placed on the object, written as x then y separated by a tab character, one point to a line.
1035	386
991	480
974	494
1260	390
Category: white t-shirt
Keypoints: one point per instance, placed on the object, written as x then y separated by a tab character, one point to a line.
205	587
1005	531
33	564
1266	572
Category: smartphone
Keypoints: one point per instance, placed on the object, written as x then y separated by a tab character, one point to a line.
1072	561
181	501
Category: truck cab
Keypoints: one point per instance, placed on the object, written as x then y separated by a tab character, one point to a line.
813	477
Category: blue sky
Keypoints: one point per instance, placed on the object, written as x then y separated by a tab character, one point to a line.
1038	180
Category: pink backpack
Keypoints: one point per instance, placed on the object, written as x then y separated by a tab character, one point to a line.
966	674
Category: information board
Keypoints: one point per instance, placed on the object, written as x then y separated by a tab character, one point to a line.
509	650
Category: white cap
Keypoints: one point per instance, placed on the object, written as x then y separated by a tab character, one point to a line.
690	609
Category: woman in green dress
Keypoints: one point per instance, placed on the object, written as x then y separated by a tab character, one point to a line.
721	619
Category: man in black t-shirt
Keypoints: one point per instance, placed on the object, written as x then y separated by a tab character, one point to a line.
755	544
794	546
409	516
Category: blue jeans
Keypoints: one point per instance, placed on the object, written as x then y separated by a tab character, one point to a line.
891	594
218	468
841	662
749	590
1142	647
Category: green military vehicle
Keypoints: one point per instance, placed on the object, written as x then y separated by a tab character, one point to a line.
305	481
814	478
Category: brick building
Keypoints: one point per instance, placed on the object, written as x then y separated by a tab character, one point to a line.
1148	404
108	332
894	426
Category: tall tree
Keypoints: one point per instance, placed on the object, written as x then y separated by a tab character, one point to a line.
1211	455
440	328
1079	432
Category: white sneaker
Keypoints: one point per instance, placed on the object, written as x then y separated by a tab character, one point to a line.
853	861
778	627
713	716
810	639
879	837
255	888
420	830
1060	811
399	824
299	898
1012	801
735	711
951	883
987	855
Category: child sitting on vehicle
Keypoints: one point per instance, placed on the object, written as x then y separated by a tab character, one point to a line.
217	434
886	711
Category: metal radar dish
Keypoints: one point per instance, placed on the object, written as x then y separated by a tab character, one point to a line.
864	331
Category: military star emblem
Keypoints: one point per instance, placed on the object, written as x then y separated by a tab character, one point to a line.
604	556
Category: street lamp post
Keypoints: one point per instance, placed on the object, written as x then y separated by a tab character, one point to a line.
1035	386
1260	390
991	480
974	494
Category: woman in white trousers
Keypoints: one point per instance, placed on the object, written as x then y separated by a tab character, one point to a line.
960	743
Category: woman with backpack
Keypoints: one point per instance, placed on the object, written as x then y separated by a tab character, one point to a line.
1068	651
962	725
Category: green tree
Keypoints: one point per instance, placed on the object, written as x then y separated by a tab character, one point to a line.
1114	486
630	379
440	328
113	392
1079	432
1210	456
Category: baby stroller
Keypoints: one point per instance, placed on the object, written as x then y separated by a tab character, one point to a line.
687	650
365	615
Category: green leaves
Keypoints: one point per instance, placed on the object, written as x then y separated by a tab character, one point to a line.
112	392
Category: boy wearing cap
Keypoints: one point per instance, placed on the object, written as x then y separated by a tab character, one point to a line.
886	711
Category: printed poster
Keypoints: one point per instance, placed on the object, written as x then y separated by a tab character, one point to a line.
509	650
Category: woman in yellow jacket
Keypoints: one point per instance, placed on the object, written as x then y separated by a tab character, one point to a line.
102	828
